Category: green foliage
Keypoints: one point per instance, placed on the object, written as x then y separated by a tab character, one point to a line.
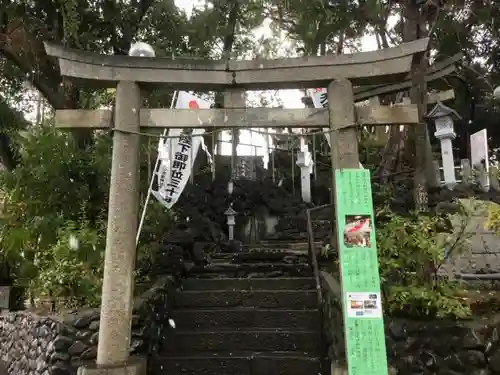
56	197
71	269
47	199
412	251
493	222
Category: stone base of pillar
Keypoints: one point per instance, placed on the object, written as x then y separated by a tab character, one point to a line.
135	366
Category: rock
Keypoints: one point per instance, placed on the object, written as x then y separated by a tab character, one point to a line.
44	331
83	322
77	348
136	321
473	340
84	335
473	358
446	371
480	372
139	332
67	330
59	357
50	347
136	343
62	343
59	370
494	361
94	326
76	362
32	364
95	338
41	365
90	353
397	330
454	362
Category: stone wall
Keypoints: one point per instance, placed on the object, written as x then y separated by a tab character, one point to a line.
36	345
420	347
484	254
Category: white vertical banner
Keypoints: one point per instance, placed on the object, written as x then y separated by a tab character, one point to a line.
320	100
177	154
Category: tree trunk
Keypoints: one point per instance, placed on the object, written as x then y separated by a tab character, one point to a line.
227	48
416	151
393	154
414	28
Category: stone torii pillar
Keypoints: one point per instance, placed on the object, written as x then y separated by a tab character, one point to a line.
119	262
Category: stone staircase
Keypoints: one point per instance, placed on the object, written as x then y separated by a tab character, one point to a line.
249	313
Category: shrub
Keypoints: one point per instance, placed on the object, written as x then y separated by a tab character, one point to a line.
412	251
493	222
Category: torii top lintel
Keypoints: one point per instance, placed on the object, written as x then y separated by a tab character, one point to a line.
364	68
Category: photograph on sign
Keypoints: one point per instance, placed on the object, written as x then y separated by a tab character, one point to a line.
357	231
364	305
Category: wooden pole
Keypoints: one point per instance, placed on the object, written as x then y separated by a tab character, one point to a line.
119	261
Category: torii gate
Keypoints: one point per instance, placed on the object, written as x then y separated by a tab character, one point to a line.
338	73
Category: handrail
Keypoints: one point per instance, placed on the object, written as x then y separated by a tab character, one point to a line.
311	251
313	262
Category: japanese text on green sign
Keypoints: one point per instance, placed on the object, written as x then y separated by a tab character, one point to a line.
363	321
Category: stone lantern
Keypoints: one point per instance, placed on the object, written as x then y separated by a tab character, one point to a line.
231	214
443	118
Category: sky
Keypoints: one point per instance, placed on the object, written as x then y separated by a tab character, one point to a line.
289	98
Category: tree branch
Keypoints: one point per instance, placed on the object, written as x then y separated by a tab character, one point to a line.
55	99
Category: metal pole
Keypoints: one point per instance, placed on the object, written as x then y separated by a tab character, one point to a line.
148	195
214	145
272	164
191	164
315	171
293	167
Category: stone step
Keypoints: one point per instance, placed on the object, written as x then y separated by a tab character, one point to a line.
240	364
287	236
318	234
256	340
260	256
285	299
281	245
281	283
254	269
246	318
264	255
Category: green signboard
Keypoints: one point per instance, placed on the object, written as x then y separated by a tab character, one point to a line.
363	321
